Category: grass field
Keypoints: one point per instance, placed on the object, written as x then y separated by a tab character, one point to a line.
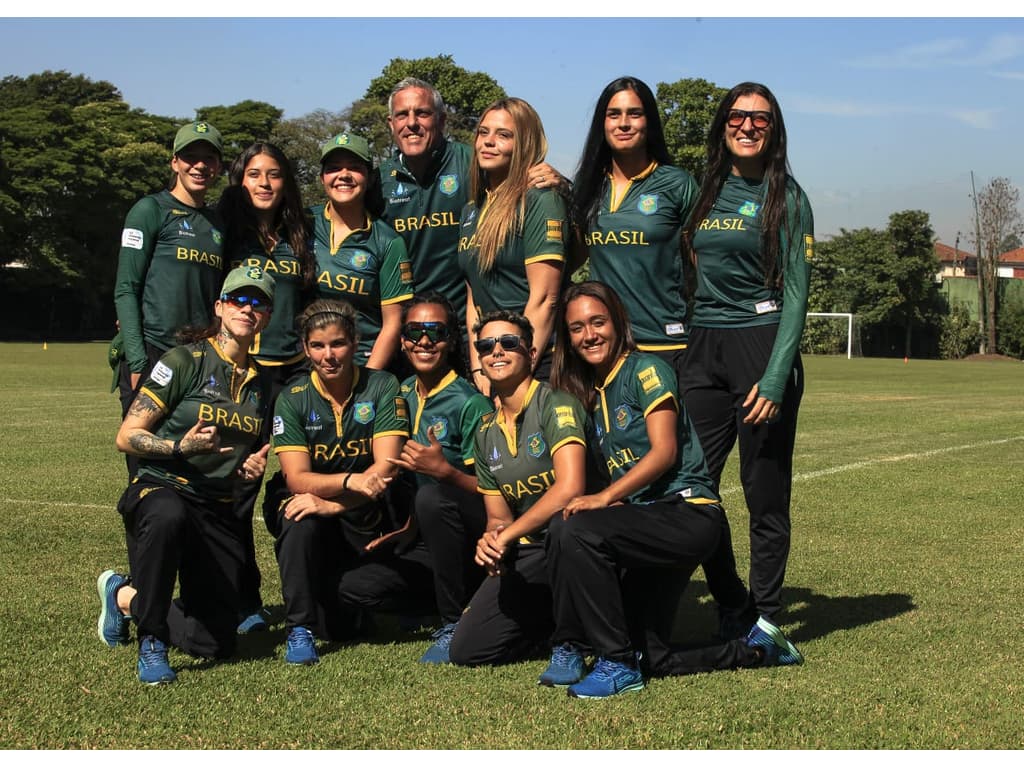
903	592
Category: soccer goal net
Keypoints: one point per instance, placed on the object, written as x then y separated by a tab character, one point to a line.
831	333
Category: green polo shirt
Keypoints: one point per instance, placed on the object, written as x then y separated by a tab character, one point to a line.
634	248
515	460
369	269
169	272
731	290
425	213
197	381
542	238
279	342
637	384
454	409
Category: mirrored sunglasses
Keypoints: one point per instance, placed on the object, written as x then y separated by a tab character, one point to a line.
435	332
510	342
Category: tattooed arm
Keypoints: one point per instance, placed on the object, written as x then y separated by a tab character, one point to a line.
136	437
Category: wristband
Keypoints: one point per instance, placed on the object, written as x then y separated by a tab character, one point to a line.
475	371
176	451
344	485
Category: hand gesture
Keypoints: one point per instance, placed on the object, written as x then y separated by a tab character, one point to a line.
369	484
425	459
255	464
202	439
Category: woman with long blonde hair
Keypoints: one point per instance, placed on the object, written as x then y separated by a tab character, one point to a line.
512	237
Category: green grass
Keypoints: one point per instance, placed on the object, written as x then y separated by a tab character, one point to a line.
903	592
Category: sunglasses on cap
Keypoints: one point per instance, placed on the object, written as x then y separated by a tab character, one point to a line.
758	118
510	342
258	303
435	332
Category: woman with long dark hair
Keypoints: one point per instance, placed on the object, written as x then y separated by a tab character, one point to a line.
751	238
267	227
512	236
196	426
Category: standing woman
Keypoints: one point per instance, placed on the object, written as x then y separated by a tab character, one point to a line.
659	511
267	227
751	237
445	412
359	258
195	427
335	431
530	460
629	206
170	265
512	236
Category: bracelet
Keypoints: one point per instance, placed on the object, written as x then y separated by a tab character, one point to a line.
176	451
475	371
344	485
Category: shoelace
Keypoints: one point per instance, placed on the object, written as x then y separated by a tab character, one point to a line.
300	638
564	655
153	653
443	636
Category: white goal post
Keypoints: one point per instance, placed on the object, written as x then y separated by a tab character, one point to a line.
849	327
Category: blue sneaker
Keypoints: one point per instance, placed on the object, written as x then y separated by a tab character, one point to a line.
254	622
301	647
438	652
153	666
778	651
607	679
113	626
565	667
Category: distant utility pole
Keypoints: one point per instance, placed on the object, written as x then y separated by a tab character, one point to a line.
981	273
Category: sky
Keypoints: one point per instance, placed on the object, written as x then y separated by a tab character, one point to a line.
883	114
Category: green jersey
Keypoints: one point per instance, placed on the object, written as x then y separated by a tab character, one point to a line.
425	213
634	248
731	290
453	410
637	384
542	238
515	460
369	269
193	382
279	342
169	272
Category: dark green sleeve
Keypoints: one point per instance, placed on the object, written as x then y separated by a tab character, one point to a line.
392	417
473	411
396	283
172	378
544	227
564	421
797	252
138	241
484	477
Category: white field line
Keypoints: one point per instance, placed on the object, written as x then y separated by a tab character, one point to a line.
800	476
889	460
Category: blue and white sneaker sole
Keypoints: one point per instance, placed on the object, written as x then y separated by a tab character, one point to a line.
631	687
782	642
101	589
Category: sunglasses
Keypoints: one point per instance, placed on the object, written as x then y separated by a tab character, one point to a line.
257	303
435	332
758	118
510	342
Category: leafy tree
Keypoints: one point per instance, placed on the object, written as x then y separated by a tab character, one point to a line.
300	139
687	108
959	333
241	124
998	219
914	266
466	94
1011	327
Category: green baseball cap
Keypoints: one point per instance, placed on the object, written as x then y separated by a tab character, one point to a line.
198	131
357	145
249	277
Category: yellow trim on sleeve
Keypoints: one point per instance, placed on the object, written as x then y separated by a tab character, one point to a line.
488	491
396	300
291	449
544	257
154	398
661	400
570	439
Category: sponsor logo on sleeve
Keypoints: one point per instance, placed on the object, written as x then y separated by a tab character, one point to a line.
278	427
162	374
132	238
649	379
554	229
400	409
808	247
564	416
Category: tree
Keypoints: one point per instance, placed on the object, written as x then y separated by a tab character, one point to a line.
466	95
914	266
687	109
300	139
241	124
998	218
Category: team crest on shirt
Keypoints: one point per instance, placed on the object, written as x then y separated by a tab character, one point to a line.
363	412
535	445
448	184
440	428
749	208
359	259
218	238
647	204
623	416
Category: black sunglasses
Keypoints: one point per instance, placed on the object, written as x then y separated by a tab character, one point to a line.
258	303
435	332
510	342
758	118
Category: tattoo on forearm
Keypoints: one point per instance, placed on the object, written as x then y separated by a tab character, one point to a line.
145	444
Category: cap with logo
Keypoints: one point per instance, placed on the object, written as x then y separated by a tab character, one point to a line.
249	277
357	145
198	131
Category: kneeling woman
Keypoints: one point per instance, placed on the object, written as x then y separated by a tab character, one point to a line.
335	430
195	426
529	462
660	510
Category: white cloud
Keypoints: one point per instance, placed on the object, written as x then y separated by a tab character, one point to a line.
976	118
949	52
